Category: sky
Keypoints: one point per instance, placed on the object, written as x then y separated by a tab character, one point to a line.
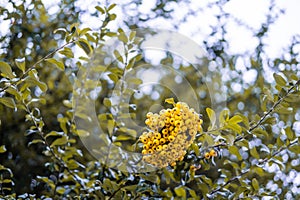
252	12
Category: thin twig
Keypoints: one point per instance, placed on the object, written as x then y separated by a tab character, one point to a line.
38	62
253	128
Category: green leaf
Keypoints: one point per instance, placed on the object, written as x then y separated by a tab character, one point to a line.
20	64
212	117
254	153
111	7
60	141
57	63
32	81
8	101
132	35
84	31
123	137
235	127
118	56
180	191
54	133
82	133
110	126
235	119
224	116
100	9
67	52
6	70
36	141
279	80
170	101
2	149
289	133
122	37
255	184
235	151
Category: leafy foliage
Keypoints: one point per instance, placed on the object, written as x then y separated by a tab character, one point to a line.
247	148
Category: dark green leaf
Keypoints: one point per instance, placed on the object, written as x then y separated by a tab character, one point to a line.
84	45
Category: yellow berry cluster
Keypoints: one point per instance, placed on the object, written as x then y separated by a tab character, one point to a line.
172	131
210	154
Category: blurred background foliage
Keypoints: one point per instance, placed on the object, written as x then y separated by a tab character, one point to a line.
43	156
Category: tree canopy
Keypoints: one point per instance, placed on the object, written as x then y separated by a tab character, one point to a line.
126	110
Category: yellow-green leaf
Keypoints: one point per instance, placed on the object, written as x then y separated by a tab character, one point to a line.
67	52
2	149
36	141
60	141
118	56
110	126
6	70
180	191
20	64
279	80
254	153
8	101
235	119
255	184
57	63
235	151
82	133
212	117
170	101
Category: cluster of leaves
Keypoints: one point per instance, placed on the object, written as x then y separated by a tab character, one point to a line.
36	96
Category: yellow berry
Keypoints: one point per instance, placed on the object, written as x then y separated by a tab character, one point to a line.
144	151
144	140
207	155
181	158
147	121
149	114
185	116
192	132
172	120
155	142
150	144
162	141
167	120
171	138
173	164
165	147
157	135
150	151
164	131
161	124
146	147
159	148
188	122
213	153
